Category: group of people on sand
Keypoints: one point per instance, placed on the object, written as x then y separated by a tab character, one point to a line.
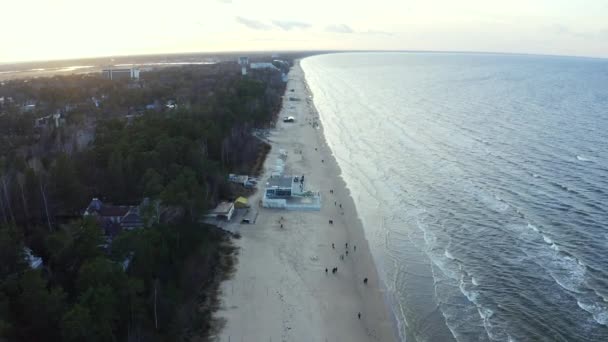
334	270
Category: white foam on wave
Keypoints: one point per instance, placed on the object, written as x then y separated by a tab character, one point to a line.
583	158
448	255
471	295
494	203
485	315
598	311
533	227
474	281
569	273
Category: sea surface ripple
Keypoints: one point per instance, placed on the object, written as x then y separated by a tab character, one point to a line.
482	182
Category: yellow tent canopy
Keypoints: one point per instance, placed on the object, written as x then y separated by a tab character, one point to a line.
241	202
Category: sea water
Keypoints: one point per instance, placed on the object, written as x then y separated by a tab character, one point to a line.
482	183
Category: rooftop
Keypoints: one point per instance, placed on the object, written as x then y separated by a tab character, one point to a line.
281	182
223	208
117	70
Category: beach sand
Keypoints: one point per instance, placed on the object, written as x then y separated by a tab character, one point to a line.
280	291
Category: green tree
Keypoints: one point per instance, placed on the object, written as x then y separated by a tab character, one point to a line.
65	183
102	303
116	175
101	271
71	246
12	255
38	308
76	325
152	183
186	192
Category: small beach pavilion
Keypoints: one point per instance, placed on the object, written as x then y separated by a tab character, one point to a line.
288	192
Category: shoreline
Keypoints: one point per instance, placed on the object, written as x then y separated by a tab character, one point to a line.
358	223
280	290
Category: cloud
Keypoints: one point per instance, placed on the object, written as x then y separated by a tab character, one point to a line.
252	24
339	28
225	1
290	25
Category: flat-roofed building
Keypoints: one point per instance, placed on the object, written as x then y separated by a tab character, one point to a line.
224	210
288	192
120	74
243	61
269	66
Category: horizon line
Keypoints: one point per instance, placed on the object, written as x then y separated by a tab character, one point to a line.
314	51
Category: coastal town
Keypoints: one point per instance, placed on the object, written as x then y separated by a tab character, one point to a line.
105	174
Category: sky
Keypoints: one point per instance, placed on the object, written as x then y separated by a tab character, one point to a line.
62	29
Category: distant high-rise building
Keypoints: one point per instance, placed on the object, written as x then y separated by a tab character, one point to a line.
117	74
244	61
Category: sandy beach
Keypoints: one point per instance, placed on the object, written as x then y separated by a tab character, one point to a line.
280	290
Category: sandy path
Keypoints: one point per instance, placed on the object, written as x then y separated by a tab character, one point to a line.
280	291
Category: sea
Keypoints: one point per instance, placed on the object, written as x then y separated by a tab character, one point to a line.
482	184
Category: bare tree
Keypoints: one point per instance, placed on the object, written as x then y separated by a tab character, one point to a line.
155	314
21	181
8	201
46	208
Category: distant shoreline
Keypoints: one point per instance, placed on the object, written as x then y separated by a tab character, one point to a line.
32	69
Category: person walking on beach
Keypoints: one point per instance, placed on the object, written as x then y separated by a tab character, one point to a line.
355	248
325	270
365	281
332	246
346	245
359	315
346	253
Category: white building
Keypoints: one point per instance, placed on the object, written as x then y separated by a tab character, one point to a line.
243	61
263	66
288	192
224	210
116	74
